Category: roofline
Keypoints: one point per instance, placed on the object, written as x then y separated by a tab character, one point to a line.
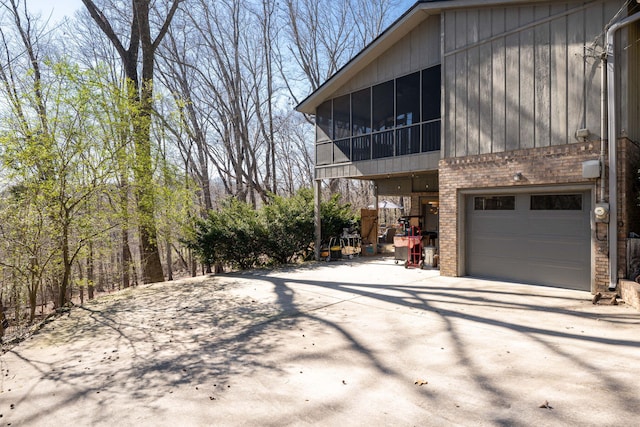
417	13
399	28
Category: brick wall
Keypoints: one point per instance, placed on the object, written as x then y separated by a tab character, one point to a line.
540	166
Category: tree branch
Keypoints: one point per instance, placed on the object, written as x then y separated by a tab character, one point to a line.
167	22
106	27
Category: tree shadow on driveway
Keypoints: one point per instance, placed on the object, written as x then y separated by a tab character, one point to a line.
580	339
323	344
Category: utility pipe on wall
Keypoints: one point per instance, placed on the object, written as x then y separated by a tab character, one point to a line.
613	135
603	123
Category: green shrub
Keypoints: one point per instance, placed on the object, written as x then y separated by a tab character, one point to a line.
281	232
244	236
335	216
290	226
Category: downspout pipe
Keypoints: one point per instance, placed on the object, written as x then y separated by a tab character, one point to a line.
604	130
613	135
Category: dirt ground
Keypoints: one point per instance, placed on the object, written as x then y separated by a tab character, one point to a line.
362	342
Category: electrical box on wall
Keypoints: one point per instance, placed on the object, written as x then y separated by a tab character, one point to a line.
591	169
601	212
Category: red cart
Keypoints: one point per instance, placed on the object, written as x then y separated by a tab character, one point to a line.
414	248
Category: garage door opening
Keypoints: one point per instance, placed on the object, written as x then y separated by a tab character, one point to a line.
542	239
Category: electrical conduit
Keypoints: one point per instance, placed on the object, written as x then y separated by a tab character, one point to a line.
613	193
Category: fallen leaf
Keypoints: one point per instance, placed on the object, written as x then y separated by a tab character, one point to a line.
546	405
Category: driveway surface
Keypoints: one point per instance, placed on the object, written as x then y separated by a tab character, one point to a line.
352	343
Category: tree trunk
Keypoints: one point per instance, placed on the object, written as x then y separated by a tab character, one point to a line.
145	194
124	235
32	304
66	264
2	320
140	95
90	274
33	290
169	262
194	265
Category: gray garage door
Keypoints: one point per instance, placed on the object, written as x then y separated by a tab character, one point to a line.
531	238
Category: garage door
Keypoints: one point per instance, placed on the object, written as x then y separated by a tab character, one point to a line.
531	238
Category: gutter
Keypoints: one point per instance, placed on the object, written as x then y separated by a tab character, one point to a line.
613	181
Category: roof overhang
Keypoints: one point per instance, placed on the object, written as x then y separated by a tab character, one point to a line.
396	31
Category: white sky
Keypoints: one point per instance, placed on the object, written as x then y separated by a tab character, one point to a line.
58	9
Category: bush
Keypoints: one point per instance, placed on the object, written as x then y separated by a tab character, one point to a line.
231	235
290	226
335	217
244	236
281	232
208	237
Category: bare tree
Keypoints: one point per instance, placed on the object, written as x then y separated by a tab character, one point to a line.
220	87
322	37
177	72
267	18
294	153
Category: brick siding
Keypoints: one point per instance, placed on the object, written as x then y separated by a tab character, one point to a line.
554	165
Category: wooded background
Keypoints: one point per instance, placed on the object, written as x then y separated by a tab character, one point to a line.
122	125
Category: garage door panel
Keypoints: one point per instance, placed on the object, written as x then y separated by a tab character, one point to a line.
569	250
561	275
548	247
511	269
569	226
493	225
487	245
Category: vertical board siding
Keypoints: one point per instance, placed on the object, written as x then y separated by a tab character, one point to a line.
512	99
542	82
472	26
575	73
417	50
460	86
486	95
461	104
460	35
449	32
499	95
558	76
520	77
512	46
484	19
527	82
594	41
387	66
449	83
473	85
499	82
473	100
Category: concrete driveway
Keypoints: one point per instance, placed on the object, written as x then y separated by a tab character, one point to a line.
362	342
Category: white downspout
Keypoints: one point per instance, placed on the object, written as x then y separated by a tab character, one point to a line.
604	131
613	135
